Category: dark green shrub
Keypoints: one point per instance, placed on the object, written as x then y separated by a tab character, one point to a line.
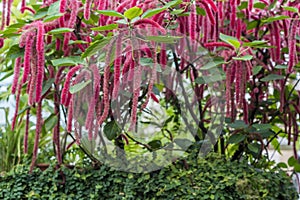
210	178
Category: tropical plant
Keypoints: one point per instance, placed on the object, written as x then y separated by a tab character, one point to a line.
97	68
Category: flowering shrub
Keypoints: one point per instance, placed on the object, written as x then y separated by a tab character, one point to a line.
90	58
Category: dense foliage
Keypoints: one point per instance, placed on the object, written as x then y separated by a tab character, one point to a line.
224	73
210	178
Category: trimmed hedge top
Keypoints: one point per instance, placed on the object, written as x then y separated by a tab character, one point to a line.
210	178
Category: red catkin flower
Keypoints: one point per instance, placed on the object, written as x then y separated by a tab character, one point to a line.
23	4
65	90
106	85
3	14
117	66
19	87
40	60
151	82
150	22
27	8
16	75
70	115
212	5
1	42
292	46
9	3
209	12
87	9
25	140
37	135
33	77
27	56
136	90
193	21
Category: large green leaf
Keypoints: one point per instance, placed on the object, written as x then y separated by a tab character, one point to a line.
133	12
164	39
212	64
60	31
110	13
291	9
238	124
105	28
67	61
275	18
47	85
53	8
95	47
152	12
243	58
272	77
230	40
236	138
78	87
112	130
254	147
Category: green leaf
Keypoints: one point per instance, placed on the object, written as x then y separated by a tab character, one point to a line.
255	43
47	85
292	161
152	12
172	4
14	52
122	21
52	17
275	18
238	124
262	126
95	47
60	30
243	5
133	12
67	61
41	13
210	79
146	62
272	77
281	67
105	28
155	144
54	8
236	138
256	70
50	122
77	42
297	167
112	130
110	13
259	5
163	39
291	9
243	58
254	147
183	143
282	165
78	87
200	11
230	40
276	145
213	64
253	24
177	12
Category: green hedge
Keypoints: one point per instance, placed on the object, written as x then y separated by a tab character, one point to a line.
210	178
